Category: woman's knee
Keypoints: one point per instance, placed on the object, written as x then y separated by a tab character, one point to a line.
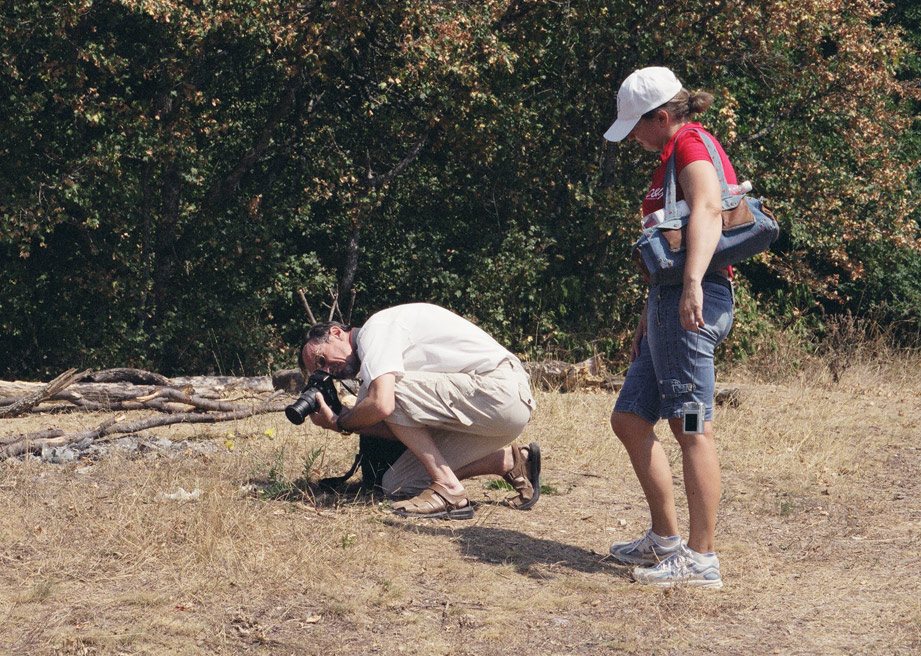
617	423
628	426
689	441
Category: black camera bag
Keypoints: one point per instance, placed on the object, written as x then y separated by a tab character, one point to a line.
375	456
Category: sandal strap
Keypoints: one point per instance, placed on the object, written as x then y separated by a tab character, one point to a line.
517	476
524	476
433	499
451	500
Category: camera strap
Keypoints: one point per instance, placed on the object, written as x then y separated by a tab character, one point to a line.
347	388
696	353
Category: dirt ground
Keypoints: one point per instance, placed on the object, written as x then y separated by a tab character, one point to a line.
818	537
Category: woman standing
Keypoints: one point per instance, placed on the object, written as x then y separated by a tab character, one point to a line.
681	325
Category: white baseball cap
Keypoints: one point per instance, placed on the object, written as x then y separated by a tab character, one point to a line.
641	92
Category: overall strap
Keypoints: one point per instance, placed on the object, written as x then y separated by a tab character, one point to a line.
671	210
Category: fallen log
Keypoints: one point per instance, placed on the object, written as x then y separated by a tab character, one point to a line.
288	380
29	401
122	394
25	444
40	435
181	396
29	443
556	376
98	392
166	399
126	375
180	400
132	403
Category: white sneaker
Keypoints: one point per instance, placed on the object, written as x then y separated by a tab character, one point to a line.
648	550
682	568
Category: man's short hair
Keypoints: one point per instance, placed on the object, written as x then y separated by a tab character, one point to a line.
319	332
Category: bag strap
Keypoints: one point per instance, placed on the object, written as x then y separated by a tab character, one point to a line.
336	481
671	192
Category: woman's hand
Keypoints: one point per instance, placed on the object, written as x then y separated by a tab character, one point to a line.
638	336
691	306
701	187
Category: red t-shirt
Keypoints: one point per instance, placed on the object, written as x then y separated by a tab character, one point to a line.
691	148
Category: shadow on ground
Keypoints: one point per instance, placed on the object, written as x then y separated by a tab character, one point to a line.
531	556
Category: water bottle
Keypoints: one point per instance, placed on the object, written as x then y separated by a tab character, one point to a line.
740	189
658	216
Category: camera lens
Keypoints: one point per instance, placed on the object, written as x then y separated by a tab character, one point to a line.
306	404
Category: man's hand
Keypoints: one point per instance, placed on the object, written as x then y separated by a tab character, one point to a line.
324	417
366	414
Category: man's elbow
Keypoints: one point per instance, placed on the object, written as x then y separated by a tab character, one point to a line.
385	408
380	408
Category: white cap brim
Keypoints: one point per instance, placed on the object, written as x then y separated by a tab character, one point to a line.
621	128
642	91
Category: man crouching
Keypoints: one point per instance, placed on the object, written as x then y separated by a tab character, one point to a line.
444	388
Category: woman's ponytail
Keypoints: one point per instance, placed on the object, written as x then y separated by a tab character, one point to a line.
685	104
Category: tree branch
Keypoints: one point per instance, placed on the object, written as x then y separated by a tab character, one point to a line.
29	401
224	189
380	180
300	293
26	443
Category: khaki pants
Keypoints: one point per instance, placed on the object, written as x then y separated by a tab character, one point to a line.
468	416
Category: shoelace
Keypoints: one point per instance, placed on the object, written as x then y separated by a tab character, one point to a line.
678	563
646	545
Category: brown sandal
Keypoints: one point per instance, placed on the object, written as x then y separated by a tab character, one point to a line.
435	502
524	476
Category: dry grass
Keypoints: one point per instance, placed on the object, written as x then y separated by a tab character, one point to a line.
818	536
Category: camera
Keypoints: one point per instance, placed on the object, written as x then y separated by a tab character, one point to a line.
318	383
693	413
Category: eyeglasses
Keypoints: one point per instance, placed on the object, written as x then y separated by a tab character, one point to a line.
319	360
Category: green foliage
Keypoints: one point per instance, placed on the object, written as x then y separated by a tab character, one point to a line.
499	484
280	486
172	173
890	293
763	323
